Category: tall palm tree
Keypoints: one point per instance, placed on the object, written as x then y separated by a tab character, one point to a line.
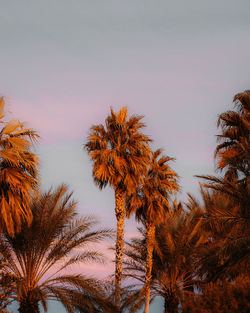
37	257
150	201
233	150
18	173
120	154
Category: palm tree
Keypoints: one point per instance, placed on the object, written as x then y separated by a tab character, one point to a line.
174	258
233	188
18	173
37	257
120	154
149	202
233	151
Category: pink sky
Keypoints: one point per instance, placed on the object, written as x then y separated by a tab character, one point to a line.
63	64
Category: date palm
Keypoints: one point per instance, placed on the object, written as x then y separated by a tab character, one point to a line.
38	257
120	154
233	188
174	255
150	202
18	173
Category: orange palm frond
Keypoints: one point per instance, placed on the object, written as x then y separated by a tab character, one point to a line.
19	173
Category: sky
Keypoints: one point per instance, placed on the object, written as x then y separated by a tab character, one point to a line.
179	63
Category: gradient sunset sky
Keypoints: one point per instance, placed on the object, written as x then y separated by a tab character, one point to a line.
63	63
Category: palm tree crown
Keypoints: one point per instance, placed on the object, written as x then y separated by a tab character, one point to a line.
119	151
18	173
150	200
37	257
233	151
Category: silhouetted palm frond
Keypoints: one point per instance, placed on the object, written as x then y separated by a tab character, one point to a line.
227	252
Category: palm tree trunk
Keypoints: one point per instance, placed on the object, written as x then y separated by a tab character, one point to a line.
150	234
28	305
171	303
120	217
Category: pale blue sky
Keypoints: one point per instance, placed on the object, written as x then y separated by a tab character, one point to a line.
179	63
